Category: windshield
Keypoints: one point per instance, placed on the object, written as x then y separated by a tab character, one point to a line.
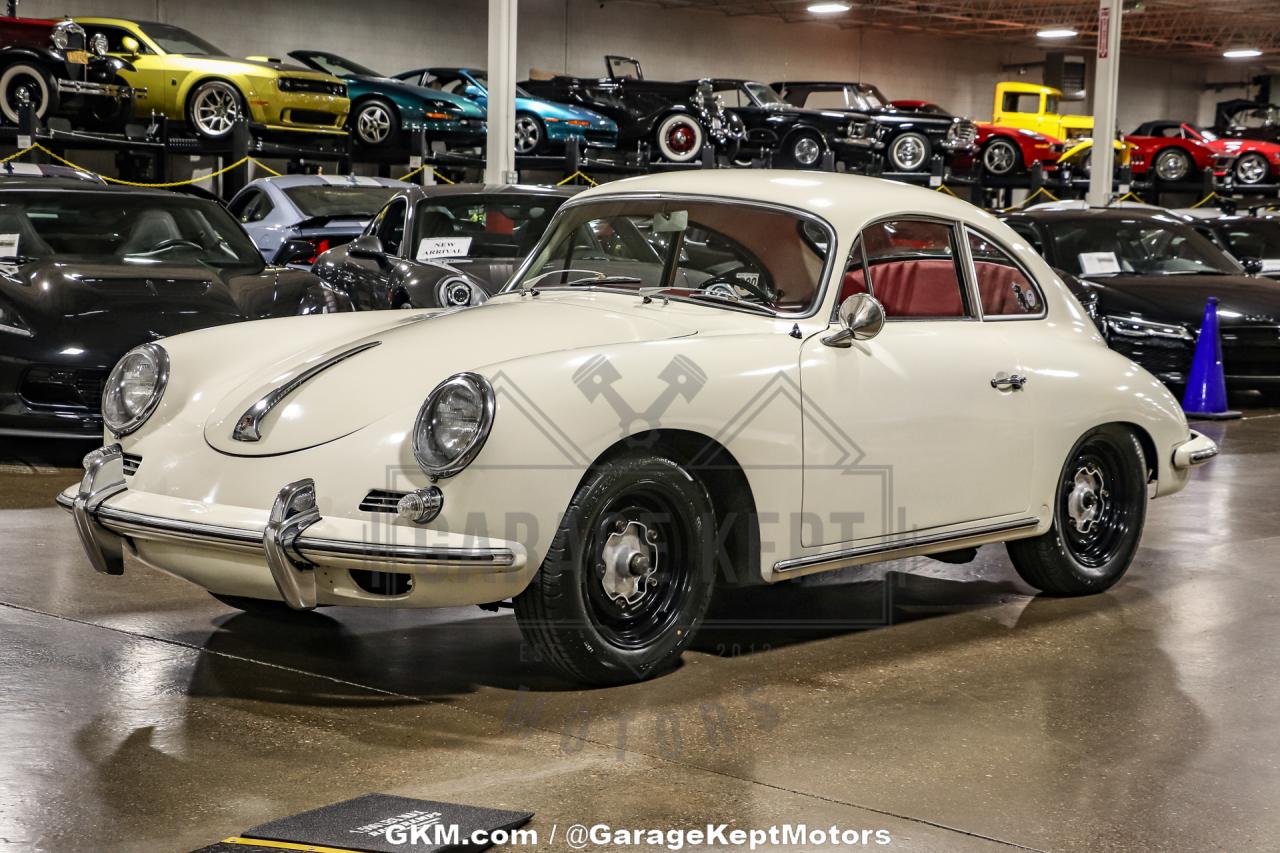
727	250
1147	246
108	227
764	96
359	202
173	39
338	66
873	96
495	226
1253	238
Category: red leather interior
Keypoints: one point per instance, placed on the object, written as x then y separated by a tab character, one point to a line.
917	288
497	222
995	285
855	281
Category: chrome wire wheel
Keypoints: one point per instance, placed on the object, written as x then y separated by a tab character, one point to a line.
214	109
1000	157
1096	506
908	153
639	575
528	134
1251	169
373	123
1172	165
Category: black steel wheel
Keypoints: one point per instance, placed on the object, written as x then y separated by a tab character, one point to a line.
1100	508
627	579
802	150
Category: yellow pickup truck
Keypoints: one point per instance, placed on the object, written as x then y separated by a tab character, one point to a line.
1031	106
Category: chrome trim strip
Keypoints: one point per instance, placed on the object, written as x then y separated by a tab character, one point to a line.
246	428
850	556
323	552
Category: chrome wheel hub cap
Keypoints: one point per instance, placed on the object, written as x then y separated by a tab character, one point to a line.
373	124
807	151
629	561
216	111
908	153
1088	498
1171	167
527	135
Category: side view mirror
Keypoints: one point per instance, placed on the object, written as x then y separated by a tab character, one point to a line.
861	319
131	45
369	247
1253	266
295	251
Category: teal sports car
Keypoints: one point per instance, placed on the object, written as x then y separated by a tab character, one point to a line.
541	126
384	109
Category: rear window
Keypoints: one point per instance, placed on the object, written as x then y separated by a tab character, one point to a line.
356	202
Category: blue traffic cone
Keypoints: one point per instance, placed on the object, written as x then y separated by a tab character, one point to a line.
1206	394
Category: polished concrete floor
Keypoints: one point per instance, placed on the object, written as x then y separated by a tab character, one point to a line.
948	706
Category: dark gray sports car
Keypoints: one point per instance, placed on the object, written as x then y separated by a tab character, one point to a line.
88	271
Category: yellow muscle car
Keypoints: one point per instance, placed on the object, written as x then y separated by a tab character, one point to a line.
188	79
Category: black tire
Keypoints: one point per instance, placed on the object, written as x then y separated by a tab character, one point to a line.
679	138
531	134
256	606
802	150
909	152
1002	157
32	79
567	614
1252	168
1171	165
375	123
213	107
1076	557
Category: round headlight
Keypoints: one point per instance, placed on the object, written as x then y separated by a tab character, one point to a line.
453	424
99	44
59	38
134	388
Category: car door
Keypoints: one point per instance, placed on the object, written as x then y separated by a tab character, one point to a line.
906	431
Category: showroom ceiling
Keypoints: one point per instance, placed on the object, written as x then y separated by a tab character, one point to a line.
1201	27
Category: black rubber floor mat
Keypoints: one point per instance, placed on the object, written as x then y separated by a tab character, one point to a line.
381	823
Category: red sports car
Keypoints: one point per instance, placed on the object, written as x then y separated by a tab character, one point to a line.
1252	161
1002	150
1172	158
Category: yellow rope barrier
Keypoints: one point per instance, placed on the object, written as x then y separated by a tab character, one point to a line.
578	174
1129	195
64	161
1202	202
943	188
1026	201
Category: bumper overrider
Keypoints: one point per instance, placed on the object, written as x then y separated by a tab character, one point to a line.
1196	450
302	563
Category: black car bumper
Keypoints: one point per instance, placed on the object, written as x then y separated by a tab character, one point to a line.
50	401
1250	357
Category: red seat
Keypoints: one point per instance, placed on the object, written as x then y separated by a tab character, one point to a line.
996	286
855	281
917	288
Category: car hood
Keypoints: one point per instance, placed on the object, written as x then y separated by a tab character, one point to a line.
1242	300
349	356
566	112
393	88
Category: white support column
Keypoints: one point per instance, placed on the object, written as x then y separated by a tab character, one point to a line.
500	152
1106	78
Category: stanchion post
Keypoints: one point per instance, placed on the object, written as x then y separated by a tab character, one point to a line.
936	171
27	125
1206	182
234	180
708	156
572	156
828	160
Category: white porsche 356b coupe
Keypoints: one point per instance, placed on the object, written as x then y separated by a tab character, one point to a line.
695	379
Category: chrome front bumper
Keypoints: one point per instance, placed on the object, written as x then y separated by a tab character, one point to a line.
1196	450
292	557
105	90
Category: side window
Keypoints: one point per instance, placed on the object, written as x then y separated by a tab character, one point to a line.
1021	102
1003	287
854	279
913	269
389	226
252	207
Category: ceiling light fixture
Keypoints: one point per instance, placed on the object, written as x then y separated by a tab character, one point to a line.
828	8
1057	33
1242	53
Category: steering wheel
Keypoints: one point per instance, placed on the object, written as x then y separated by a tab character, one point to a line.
727	283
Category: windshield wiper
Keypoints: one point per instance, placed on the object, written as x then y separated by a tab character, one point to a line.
684	293
593	276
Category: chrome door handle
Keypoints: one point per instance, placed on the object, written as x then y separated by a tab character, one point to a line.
1013	382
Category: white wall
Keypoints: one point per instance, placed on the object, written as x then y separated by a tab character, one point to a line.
573	35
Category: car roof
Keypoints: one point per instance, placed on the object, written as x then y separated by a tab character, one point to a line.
27	182
288	181
445	190
846	201
1065	214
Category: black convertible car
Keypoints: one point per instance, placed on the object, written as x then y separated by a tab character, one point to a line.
88	271
1152	275
677	119
910	138
794	137
444	246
